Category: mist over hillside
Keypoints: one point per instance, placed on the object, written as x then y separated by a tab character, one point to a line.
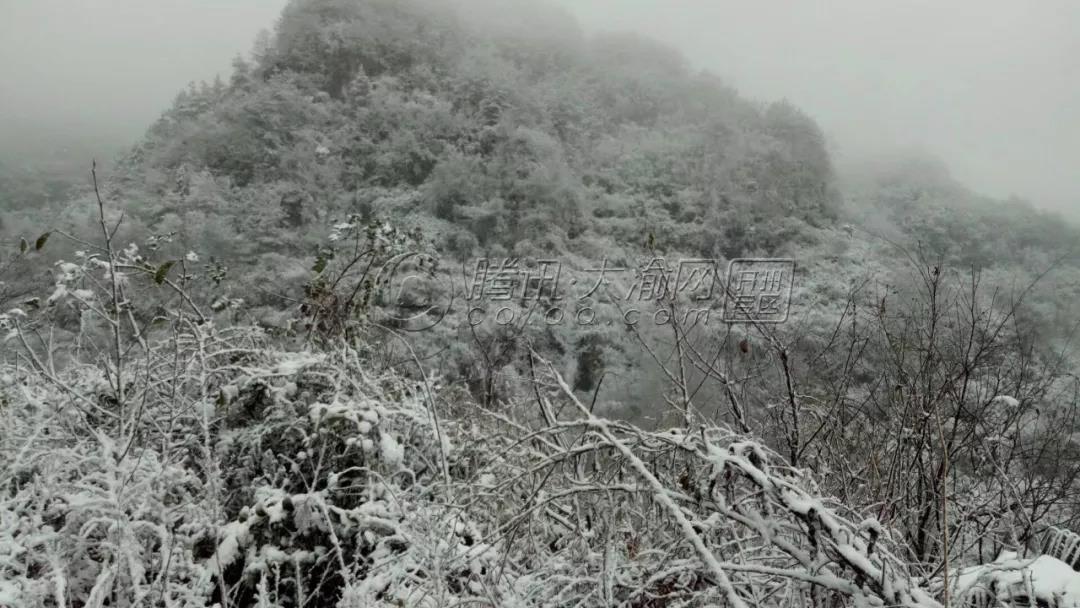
437	303
991	96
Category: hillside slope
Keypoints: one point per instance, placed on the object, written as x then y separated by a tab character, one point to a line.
509	137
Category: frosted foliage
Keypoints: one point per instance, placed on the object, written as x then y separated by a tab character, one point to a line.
302	479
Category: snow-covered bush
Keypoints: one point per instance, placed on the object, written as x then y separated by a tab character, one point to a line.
245	472
243	475
172	459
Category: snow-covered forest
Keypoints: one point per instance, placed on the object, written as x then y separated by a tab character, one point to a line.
244	364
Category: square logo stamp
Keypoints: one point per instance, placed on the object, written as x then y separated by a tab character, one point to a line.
759	290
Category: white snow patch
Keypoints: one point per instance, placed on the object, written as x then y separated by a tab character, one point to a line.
10	594
294	362
229	393
392	452
1007	401
68	269
1050	577
236	535
60	292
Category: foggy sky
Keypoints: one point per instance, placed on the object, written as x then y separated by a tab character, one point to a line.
96	73
991	87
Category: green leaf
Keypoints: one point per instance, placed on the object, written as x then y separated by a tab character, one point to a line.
23	245
320	264
40	242
162	271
